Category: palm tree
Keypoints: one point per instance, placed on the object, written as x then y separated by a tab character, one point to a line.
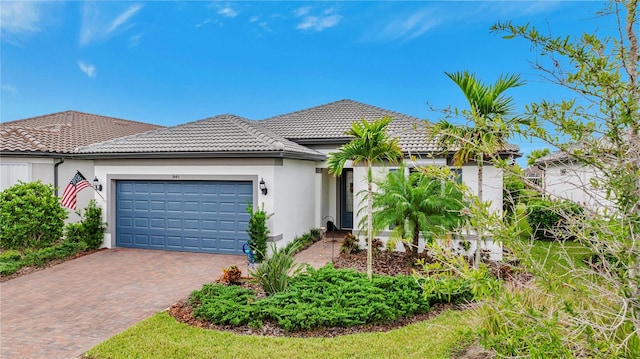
489	133
370	144
417	203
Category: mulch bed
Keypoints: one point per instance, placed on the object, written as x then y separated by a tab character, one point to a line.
31	269
386	263
183	312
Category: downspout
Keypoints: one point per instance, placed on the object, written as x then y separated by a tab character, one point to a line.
55	174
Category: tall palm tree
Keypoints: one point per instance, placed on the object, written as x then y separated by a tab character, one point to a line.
370	144
489	113
417	204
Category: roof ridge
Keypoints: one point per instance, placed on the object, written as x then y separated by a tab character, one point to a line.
257	131
74	113
304	110
393	114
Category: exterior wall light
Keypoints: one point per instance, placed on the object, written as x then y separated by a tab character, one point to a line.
263	187
96	184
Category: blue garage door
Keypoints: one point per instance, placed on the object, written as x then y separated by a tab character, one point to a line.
194	216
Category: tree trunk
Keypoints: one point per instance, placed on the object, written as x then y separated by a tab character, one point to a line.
369	222
416	240
476	262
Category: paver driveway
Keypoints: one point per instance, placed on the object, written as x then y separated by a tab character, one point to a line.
63	311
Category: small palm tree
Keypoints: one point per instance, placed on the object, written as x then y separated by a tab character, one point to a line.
489	133
417	204
370	145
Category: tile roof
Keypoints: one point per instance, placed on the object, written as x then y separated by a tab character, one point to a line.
319	124
62	132
221	135
331	121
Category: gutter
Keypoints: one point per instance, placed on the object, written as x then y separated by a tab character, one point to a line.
55	175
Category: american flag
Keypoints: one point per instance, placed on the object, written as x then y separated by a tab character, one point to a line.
77	184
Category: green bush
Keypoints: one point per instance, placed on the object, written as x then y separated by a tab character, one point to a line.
74	232
10	255
30	216
258	232
350	245
305	241
548	218
326	297
93	226
59	251
222	304
90	229
8	268
274	273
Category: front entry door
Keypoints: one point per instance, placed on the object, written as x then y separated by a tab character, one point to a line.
346	199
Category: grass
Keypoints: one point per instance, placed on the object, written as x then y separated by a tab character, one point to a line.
161	336
556	257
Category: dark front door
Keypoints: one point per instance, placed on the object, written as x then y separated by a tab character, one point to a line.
346	199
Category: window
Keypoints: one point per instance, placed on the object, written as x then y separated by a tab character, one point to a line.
11	173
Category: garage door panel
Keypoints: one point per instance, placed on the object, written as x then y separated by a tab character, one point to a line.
203	216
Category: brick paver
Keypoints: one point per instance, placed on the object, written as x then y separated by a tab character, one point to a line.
65	310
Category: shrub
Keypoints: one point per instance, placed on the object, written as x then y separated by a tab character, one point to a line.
305	240
30	216
90	229
274	273
376	246
548	218
350	245
221	304
326	297
258	232
8	268
59	251
231	275
10	255
316	234
74	232
93	226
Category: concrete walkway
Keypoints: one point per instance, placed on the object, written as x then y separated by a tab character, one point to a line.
65	310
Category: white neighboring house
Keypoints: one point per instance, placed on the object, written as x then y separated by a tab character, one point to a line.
43	148
187	187
567	178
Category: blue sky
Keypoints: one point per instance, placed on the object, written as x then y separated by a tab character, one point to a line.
173	62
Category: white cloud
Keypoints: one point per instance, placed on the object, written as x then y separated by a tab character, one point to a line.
135	40
227	11
124	17
19	18
318	23
8	88
88	69
96	25
200	24
301	11
413	26
254	18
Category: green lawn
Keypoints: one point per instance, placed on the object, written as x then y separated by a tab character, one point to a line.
162	337
556	256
